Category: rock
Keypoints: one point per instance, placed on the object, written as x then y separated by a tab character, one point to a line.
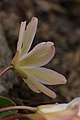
59	22
8	79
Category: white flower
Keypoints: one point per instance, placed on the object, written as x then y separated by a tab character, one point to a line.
66	111
28	64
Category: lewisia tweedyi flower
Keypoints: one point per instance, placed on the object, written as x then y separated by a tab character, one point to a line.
28	64
66	111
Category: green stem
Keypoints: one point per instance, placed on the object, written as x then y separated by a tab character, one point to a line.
5	70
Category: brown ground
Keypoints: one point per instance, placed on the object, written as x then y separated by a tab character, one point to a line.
59	22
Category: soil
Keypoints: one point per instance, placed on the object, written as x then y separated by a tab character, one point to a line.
59	22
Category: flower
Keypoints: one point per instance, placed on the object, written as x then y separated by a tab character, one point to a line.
28	64
66	111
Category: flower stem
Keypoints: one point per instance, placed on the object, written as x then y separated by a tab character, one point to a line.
33	109
16	117
5	70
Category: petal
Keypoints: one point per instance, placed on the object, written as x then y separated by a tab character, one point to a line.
40	55
29	35
31	86
46	76
58	112
42	88
49	112
21	35
67	114
75	102
60	107
50	108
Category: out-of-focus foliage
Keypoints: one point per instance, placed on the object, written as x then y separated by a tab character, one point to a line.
65	111
4	103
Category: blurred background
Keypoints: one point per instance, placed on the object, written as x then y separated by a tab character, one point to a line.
59	22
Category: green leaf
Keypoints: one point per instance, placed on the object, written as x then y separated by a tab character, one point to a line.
5	102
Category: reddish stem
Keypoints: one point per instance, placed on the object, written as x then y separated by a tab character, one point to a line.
18	107
5	70
15	117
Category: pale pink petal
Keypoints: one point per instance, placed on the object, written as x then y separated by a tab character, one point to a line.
31	86
75	118
21	35
29	35
42	88
40	55
74	102
45	76
51	108
60	111
67	114
42	81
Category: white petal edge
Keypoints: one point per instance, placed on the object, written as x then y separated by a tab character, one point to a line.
31	86
75	102
42	88
52	108
40	55
64	106
21	35
29	35
45	76
60	111
65	114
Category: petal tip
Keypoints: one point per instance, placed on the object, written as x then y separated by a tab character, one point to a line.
23	23
50	43
34	19
54	96
64	81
